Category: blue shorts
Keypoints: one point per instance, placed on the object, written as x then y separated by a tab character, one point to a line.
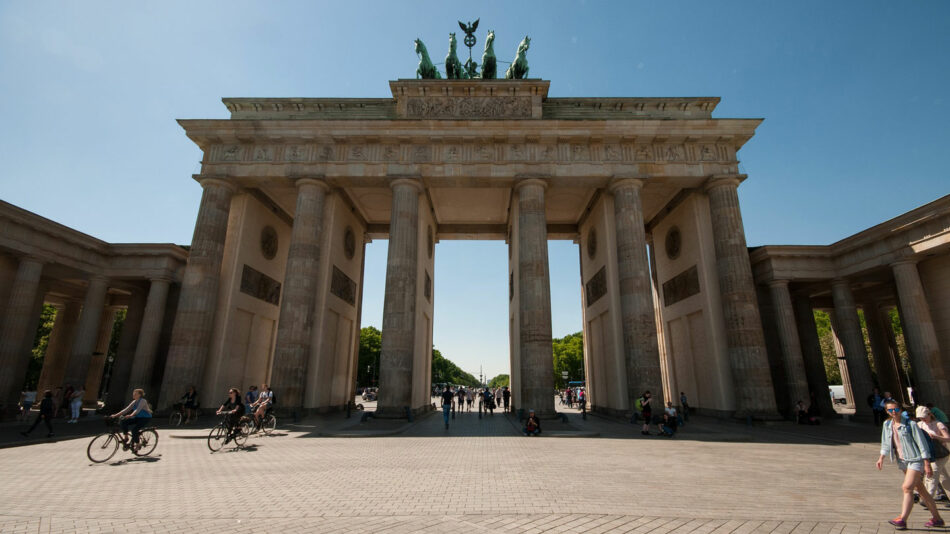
913	466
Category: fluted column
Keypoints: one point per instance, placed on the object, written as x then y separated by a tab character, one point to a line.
745	340
534	300
16	336
811	355
638	314
848	328
792	359
143	361
399	304
194	319
119	391
299	294
922	345
884	362
97	362
59	346
87	332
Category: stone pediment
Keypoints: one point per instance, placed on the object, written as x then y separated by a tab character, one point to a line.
469	99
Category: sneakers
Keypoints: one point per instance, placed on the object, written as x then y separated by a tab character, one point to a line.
934	523
898	523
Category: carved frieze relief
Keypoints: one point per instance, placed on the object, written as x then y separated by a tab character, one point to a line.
477	152
468	107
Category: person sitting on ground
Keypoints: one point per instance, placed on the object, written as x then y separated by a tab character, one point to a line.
135	416
801	415
667	424
532	426
265	400
670	410
234	408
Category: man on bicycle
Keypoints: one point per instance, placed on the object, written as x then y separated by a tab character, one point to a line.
135	416
263	403
234	408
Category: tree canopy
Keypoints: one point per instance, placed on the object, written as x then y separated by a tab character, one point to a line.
568	356
367	373
500	381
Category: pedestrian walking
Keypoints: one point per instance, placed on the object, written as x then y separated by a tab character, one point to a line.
75	405
906	443
684	405
506	397
876	403
939	436
45	415
447	398
29	398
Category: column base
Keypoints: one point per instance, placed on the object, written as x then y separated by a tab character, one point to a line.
384	412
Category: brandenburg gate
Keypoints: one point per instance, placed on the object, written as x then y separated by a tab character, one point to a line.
293	188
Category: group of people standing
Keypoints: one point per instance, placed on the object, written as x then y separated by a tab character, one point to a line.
462	398
668	422
916	440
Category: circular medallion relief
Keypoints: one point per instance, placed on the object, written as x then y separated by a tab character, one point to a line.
674	241
269	242
431	242
591	243
349	243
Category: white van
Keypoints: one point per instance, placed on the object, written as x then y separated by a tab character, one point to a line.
837	395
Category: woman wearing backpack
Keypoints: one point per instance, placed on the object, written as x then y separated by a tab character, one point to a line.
907	443
939	435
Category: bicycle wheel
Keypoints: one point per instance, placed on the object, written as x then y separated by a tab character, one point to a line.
269	423
216	437
148	440
102	447
241	433
175	419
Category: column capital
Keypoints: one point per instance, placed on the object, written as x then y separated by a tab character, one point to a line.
623	182
96	277
410	181
905	261
523	182
779	283
29	258
840	281
719	180
319	181
219	181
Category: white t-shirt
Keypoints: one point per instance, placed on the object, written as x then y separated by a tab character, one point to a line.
670	411
265	397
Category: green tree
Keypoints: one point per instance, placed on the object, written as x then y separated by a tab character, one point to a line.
500	381
568	356
40	342
445	371
371	343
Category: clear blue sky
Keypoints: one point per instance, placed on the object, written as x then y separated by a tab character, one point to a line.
854	96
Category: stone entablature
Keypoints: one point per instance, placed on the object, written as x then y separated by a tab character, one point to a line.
914	233
27	234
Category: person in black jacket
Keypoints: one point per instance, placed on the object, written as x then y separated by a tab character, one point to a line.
234	409
46	414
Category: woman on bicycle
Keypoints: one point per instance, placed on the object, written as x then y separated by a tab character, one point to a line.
263	403
234	409
135	416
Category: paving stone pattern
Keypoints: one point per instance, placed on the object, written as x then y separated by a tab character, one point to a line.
480	476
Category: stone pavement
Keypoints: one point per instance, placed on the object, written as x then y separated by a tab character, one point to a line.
479	476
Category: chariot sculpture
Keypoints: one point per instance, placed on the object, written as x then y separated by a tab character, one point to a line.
456	70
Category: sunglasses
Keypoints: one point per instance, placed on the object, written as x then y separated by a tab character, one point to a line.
893	410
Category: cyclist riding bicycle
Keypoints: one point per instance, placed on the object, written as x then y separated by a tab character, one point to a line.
234	409
135	416
264	402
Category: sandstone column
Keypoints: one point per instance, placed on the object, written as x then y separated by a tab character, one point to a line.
638	314
848	328
143	361
299	294
755	395
399	305
59	346
119	391
87	332
16	336
884	362
194	319
98	361
924	351
792	359
534	299
811	355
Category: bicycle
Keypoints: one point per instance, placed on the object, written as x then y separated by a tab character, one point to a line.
178	414
267	424
105	445
218	437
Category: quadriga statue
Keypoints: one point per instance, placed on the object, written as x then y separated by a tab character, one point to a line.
489	67
519	67
426	69
453	67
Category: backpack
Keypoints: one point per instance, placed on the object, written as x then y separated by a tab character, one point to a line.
273	398
639	405
937	449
